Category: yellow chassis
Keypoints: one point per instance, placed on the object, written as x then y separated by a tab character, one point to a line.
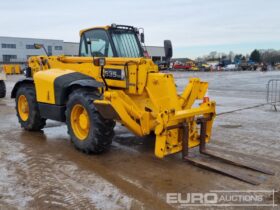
142	123
146	101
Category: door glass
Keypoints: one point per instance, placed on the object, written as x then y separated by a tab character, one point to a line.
96	43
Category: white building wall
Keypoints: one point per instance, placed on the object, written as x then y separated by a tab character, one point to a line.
21	50
71	48
156	52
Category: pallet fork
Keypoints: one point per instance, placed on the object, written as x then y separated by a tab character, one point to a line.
198	160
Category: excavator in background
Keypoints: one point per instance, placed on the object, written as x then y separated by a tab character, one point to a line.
111	81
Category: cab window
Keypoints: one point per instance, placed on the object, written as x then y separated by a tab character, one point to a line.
95	43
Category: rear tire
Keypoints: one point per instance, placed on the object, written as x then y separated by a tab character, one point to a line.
2	89
27	109
89	131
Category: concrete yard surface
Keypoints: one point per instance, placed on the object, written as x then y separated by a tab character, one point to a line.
43	170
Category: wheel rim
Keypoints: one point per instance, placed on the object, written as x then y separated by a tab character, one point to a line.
23	108
80	122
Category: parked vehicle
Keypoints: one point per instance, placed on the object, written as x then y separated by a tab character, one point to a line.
189	65
230	67
180	65
203	66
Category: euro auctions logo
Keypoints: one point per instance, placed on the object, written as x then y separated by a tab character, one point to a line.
192	198
223	198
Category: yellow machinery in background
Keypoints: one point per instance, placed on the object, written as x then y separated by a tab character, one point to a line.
192	66
11	68
111	81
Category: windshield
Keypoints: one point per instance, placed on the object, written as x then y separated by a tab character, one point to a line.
126	43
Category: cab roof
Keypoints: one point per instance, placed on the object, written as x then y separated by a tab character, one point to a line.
96	27
108	27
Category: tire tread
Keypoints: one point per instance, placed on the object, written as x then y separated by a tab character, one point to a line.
102	132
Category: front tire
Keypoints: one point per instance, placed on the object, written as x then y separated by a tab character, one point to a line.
27	109
2	89
89	131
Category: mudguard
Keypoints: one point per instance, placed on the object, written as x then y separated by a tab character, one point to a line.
19	83
64	84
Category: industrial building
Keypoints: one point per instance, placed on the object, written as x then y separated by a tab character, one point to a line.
156	53
71	48
18	50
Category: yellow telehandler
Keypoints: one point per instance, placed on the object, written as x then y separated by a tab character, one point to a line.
111	81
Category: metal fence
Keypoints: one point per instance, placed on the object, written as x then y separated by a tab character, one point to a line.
273	93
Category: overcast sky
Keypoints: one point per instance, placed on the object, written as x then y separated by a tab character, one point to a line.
195	27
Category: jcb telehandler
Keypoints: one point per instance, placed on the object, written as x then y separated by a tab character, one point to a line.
110	81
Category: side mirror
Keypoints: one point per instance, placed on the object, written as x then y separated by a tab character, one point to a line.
142	37
37	46
168	49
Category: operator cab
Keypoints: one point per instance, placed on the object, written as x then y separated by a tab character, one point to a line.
112	41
